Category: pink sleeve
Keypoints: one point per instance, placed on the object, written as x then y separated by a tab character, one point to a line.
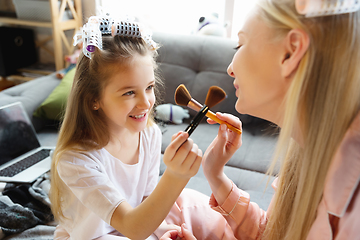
246	218
348	227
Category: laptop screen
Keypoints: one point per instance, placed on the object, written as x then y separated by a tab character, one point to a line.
17	136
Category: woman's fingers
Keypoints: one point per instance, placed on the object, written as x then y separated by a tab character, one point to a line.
229	118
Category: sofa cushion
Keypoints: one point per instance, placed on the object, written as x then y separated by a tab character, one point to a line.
199	62
31	94
54	105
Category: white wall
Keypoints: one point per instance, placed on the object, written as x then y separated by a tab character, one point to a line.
164	15
180	16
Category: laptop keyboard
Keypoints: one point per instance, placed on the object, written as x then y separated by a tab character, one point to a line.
25	163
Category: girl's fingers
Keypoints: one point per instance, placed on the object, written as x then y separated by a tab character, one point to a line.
196	164
172	234
177	142
184	149
176	135
186	234
192	158
193	161
182	156
187	160
183	153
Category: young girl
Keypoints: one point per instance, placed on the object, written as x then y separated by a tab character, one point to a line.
105	167
303	74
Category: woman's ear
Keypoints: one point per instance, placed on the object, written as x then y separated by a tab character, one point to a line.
296	44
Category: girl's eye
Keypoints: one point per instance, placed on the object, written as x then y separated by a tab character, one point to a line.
128	93
150	87
238	47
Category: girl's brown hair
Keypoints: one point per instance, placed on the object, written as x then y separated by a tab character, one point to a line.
82	127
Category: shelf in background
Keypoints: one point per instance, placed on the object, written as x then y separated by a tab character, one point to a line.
5	83
59	11
15	21
26	74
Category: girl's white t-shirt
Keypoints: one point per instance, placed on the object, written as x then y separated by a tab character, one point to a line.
97	183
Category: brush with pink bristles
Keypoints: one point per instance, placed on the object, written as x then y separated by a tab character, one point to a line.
214	96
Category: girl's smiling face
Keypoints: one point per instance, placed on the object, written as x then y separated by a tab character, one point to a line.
129	96
260	88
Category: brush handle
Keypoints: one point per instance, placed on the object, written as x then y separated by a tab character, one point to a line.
213	116
196	120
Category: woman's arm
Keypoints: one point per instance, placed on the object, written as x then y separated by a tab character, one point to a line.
246	219
183	159
218	154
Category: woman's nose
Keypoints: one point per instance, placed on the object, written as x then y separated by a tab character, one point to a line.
230	71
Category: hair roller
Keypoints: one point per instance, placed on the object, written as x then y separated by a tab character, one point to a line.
315	8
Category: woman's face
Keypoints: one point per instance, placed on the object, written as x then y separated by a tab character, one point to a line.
260	88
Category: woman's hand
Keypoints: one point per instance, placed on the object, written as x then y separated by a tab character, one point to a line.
223	146
218	154
175	235
182	157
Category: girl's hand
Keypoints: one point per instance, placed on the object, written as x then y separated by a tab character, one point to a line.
223	146
175	235
182	157
164	227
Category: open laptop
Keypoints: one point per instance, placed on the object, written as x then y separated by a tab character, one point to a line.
22	158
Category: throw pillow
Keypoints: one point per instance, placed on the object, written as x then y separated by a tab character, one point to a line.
54	105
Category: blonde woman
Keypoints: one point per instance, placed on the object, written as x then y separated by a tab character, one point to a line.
303	74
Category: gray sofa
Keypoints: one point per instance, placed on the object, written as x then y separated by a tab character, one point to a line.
198	62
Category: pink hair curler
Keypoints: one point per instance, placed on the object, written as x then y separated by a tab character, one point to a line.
315	8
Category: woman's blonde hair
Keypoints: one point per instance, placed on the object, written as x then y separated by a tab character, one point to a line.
84	128
323	100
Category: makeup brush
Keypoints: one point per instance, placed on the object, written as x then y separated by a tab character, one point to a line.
183	98
213	100
215	95
196	120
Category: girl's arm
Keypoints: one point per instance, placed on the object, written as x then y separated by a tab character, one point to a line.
183	159
164	227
